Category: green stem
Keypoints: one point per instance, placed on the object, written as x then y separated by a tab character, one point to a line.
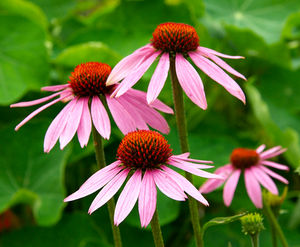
156	231
275	225
182	132
255	240
100	158
273	235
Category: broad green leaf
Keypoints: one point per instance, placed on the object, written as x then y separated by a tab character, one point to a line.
264	17
30	176
23	57
87	52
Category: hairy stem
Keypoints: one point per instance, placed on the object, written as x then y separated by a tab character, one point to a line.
156	231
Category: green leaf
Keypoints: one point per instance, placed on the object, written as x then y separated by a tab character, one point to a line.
23	57
264	17
30	176
91	51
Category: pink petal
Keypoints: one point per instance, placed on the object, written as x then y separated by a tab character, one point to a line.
185	185
122	118
272	152
217	74
189	164
147	199
275	165
274	175
72	124
57	126
260	148
212	183
109	190
190	81
207	50
100	117
179	158
128	197
253	188
168	186
230	187
133	78
55	88
159	78
85	124
264	180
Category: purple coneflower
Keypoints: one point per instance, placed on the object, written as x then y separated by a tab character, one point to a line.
254	164
147	157
87	85
180	42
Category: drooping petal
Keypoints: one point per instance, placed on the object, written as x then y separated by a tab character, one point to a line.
230	186
218	75
260	148
207	50
85	124
128	197
272	152
253	188
158	78
185	185
109	190
100	117
274	175
168	186
55	88
57	126
212	184
275	165
264	180
187	163
72	124
190	81
180	157
147	199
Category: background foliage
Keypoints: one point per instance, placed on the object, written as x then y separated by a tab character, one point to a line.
42	40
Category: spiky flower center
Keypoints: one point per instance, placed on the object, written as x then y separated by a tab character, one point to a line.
242	158
89	79
143	149
175	37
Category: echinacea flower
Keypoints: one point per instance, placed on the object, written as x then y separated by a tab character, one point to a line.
87	86
176	41
254	164
146	157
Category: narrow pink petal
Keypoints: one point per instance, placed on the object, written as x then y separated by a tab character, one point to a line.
260	148
230	187
159	78
122	118
85	124
210	51
183	155
55	88
57	126
190	81
128	64
180	157
253	188
147	199
187	163
133	78
100	117
275	165
185	185
128	197
264	180
212	183
109	190
35	102
94	183
272	152
274	175
72	124
218	75
168	186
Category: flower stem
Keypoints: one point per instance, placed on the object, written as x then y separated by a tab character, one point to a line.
156	231
255	240
100	158
182	132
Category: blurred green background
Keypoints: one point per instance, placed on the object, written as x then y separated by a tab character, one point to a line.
41	41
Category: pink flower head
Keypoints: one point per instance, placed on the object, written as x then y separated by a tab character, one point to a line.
179	42
254	164
146	157
88	85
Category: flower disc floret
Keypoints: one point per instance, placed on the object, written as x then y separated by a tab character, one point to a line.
175	37
88	79
242	158
144	149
